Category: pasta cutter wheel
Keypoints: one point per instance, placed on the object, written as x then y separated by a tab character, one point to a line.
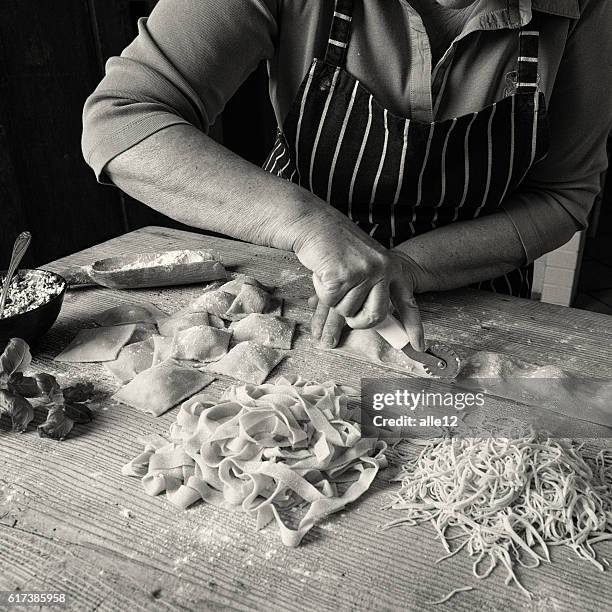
438	360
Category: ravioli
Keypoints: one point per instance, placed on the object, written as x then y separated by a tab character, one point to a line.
251	299
215	302
133	359
267	330
182	320
162	387
162	348
202	343
248	362
235	285
234	300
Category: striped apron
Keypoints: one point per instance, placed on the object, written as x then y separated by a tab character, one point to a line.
396	177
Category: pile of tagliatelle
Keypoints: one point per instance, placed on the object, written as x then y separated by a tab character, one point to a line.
507	501
265	450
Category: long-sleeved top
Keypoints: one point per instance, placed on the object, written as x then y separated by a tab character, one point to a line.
190	56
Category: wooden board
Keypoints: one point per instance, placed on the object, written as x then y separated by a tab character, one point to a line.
69	521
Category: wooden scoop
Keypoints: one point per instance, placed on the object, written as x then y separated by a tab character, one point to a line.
165	269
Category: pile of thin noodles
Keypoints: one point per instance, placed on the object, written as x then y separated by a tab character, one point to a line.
507	501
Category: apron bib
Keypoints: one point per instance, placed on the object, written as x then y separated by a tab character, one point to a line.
396	177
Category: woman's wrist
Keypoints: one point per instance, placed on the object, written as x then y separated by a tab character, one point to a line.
281	214
413	267
310	219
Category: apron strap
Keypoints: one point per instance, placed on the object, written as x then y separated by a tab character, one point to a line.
340	33
527	70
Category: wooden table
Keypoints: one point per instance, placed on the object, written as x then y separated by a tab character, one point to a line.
70	522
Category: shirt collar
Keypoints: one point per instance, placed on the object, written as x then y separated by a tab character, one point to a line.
499	14
503	14
513	14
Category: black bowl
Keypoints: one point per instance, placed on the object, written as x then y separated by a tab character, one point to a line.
32	325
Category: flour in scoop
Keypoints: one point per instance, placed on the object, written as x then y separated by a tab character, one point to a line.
170	258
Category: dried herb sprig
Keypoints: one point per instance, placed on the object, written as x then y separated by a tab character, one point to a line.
65	407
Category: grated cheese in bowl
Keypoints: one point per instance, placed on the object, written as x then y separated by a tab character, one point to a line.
29	290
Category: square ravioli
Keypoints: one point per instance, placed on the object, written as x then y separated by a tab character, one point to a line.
248	362
162	348
201	343
235	285
162	387
133	359
268	330
184	320
215	302
251	299
234	300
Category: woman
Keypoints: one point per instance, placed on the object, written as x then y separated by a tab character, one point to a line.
455	140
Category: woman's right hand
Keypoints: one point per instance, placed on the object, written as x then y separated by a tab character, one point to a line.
355	277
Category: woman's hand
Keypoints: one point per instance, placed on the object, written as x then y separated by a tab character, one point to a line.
326	324
355	278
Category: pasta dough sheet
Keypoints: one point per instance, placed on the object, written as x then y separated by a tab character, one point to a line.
503	376
130	313
133	359
97	344
550	387
202	343
267	330
162	387
370	345
248	362
265	451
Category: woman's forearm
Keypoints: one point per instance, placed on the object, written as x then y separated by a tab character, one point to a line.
186	175
463	253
